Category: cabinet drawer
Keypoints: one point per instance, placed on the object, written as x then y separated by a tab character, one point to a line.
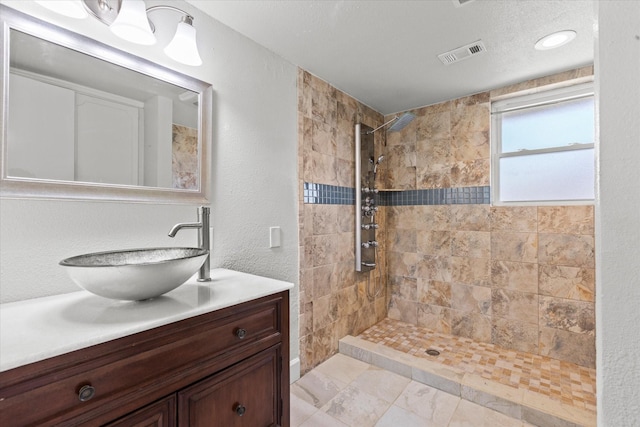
244	395
140	368
158	414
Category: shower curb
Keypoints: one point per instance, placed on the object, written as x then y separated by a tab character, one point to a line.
524	405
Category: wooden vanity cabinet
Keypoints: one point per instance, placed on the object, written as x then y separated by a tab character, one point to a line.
226	368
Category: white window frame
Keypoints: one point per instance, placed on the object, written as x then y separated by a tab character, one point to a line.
515	102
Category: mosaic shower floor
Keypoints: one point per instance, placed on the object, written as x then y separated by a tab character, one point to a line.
536	377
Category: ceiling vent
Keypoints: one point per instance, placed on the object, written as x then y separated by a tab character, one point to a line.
463	52
460	3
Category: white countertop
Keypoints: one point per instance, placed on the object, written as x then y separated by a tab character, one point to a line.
40	328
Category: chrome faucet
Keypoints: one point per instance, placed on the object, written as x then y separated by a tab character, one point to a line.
203	239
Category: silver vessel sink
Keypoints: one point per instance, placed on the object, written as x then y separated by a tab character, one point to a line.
134	274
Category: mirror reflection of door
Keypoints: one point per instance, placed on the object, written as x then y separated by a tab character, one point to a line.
107	141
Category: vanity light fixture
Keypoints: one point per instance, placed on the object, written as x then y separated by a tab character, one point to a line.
554	40
128	19
70	8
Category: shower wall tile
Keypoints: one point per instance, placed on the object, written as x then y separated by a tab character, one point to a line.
518	276
514	334
507	246
402	240
471	244
434	317
472	146
567	282
434	292
564	345
516	305
471	299
433	156
568	315
566	219
470	217
471	271
567	249
333	296
467	173
432	242
471	325
519	218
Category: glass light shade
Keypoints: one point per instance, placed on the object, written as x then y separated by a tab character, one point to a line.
70	8
132	23
183	47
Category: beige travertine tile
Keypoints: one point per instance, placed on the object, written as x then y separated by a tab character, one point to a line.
507	246
559	409
403	310
566	219
435	318
471	244
433	218
433	406
471	325
573	347
516	305
471	146
471	299
322	280
402	263
567	249
433	125
426	180
471	414
324	219
402	178
323	138
567	282
317	388
469	117
470	217
300	410
403	287
342	368
433	156
434	268
434	292
471	271
521	218
325	311
436	243
402	240
467	173
323	249
514	334
380	383
568	315
519	276
402	217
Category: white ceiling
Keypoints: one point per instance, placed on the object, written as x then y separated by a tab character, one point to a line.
384	53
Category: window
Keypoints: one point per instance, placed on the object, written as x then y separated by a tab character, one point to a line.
542	147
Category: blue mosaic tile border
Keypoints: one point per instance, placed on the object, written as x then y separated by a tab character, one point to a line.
328	194
336	195
438	196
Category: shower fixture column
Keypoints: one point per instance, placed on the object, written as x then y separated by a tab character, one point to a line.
366	245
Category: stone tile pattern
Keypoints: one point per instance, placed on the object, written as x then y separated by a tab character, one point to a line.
184	157
347	392
334	298
518	277
565	382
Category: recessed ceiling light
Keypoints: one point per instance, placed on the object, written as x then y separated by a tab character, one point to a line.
556	39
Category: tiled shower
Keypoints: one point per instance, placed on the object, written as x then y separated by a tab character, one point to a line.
521	278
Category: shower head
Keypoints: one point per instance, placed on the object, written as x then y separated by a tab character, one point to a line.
375	167
402	122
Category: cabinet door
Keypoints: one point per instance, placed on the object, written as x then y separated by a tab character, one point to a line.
244	395
159	414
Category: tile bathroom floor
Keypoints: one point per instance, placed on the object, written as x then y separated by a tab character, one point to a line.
344	391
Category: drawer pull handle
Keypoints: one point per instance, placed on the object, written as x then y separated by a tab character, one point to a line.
86	392
241	333
240	409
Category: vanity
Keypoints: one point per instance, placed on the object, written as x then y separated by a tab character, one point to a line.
213	354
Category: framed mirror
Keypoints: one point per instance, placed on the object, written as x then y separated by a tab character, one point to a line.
82	120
